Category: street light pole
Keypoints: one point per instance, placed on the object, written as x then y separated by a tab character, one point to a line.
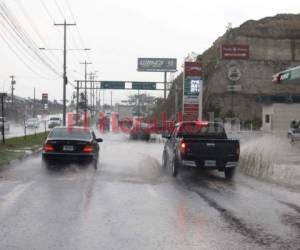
65	79
85	84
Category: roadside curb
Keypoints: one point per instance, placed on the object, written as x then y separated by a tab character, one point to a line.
20	158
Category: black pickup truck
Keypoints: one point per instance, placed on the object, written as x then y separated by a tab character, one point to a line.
200	145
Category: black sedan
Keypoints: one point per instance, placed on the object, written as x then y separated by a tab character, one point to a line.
76	144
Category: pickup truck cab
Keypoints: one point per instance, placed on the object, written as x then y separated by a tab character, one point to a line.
201	145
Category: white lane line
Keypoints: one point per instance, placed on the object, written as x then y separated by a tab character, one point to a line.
151	191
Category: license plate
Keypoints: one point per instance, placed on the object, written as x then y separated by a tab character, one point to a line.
68	148
210	163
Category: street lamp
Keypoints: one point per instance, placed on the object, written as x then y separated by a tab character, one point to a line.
65	78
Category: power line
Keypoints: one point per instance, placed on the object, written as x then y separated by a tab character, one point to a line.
35	29
77	28
23	36
20	57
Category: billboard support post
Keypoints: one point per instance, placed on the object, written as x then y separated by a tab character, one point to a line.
165	85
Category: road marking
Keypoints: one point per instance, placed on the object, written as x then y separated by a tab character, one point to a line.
151	191
9	199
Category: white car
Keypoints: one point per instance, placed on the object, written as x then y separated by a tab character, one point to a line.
54	122
5	122
32	123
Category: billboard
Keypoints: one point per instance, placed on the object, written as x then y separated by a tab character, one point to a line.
157	64
235	52
193	91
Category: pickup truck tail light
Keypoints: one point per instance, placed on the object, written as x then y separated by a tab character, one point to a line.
183	147
88	149
48	148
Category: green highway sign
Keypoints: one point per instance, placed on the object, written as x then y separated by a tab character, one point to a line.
112	85
144	85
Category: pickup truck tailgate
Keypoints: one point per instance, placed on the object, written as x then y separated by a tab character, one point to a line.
199	149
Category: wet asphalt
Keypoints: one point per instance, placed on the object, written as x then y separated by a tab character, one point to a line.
130	202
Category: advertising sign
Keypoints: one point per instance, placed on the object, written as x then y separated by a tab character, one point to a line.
193	91
193	69
235	51
157	64
45	98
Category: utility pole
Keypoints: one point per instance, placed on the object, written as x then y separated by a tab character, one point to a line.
85	84
34	110
2	96
165	86
13	82
77	102
176	101
65	79
111	101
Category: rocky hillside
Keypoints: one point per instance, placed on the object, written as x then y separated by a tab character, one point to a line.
274	46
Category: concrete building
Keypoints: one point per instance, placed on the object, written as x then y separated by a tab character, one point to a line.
278	116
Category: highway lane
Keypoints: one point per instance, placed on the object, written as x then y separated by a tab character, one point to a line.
131	203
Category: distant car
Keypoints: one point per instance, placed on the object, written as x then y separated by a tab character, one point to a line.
140	131
76	144
294	131
54	122
32	123
6	124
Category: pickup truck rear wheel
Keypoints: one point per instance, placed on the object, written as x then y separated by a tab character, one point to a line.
229	172
174	168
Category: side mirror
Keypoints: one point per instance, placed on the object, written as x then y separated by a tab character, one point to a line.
99	140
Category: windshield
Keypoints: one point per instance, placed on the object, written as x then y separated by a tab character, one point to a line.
65	133
54	119
199	130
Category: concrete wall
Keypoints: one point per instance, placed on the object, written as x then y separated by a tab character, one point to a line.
281	116
267	57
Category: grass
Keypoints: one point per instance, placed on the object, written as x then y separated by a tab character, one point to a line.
15	148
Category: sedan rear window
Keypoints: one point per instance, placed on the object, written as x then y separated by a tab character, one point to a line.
70	133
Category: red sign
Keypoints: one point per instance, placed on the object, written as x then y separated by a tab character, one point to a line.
193	69
235	51
191	112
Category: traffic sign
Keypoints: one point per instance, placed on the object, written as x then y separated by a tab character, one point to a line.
234	73
112	85
234	88
144	85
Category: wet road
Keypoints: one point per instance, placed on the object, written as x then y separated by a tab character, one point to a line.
131	203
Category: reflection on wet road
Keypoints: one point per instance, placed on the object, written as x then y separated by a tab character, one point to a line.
131	203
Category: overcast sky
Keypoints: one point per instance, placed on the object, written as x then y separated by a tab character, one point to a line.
118	32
